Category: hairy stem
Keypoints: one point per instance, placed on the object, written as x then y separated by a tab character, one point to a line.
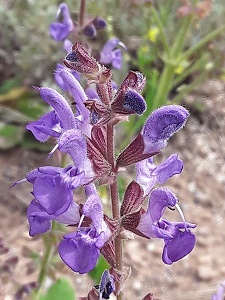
115	201
82	12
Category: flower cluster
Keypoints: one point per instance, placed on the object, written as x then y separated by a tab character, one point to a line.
86	136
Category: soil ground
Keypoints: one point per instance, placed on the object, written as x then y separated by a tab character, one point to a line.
200	188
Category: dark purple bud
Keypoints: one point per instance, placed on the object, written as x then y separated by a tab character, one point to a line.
107	285
99	23
89	30
80	60
130	102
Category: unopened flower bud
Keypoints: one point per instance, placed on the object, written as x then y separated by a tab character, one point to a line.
80	60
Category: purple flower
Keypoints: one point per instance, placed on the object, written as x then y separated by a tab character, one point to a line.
53	191
53	123
80	250
110	55
60	30
179	240
220	292
161	125
148	174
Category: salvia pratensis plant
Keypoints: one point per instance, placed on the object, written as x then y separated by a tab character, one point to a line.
87	137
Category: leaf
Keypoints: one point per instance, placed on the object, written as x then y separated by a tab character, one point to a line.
60	290
96	273
10	115
10	135
13	94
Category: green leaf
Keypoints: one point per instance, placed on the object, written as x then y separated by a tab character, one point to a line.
9	84
60	290
10	135
31	107
9	115
101	266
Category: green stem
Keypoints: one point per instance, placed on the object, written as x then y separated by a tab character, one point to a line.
181	38
164	85
202	42
161	30
45	260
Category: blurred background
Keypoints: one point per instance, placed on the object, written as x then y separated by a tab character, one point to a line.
179	47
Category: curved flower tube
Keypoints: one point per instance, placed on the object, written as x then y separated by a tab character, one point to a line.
60	30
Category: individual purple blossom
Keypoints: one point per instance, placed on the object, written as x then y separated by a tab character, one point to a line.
60	30
80	250
179	240
110	55
53	192
161	125
148	174
219	295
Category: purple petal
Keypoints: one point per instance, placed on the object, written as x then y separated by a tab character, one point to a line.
52	194
60	105
38	218
93	209
220	292
74	143
67	46
60	30
134	102
77	92
48	125
106	55
159	200
144	175
71	215
171	166
79	253
178	247
117	59
161	125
